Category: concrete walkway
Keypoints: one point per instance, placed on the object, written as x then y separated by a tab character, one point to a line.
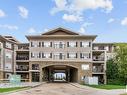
66	89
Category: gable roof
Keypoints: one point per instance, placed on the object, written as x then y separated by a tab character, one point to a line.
8	39
60	31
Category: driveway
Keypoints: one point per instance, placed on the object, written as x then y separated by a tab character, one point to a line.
66	89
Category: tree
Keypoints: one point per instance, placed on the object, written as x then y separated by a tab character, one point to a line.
112	69
121	60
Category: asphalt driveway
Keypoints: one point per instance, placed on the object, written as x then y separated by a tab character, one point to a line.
66	89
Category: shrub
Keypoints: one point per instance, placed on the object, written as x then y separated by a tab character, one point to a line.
115	81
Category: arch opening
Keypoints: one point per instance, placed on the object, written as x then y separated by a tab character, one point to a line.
60	73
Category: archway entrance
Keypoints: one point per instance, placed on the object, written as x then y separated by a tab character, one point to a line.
60	73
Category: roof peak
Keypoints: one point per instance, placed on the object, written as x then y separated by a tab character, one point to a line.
60	31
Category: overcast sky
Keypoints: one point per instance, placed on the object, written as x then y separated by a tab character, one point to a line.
105	18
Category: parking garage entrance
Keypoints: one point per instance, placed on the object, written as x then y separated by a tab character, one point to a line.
58	73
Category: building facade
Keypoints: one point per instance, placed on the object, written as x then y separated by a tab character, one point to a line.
59	54
7	56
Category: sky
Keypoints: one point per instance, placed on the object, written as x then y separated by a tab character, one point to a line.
105	18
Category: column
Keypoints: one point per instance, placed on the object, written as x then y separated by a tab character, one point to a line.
105	78
49	74
68	74
30	76
30	73
41	75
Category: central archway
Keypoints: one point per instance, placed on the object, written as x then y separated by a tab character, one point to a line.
60	73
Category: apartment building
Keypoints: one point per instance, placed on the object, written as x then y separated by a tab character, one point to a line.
60	54
7	56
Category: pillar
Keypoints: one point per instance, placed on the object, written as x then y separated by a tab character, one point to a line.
30	76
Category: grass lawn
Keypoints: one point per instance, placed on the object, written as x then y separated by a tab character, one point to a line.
108	87
123	94
10	89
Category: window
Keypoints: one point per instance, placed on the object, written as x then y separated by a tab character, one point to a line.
85	44
32	55
47	44
39	44
85	67
8	66
8	55
95	47
106	48
101	47
35	55
35	66
46	55
34	44
71	44
71	55
8	45
59	56
85	55
59	44
56	56
7	75
39	55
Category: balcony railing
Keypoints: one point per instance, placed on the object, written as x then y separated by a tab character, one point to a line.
98	69
22	58
22	68
96	58
23	48
35	66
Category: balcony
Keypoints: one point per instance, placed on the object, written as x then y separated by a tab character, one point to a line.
22	68
35	66
98	68
23	47
98	58
22	57
99	48
98	55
